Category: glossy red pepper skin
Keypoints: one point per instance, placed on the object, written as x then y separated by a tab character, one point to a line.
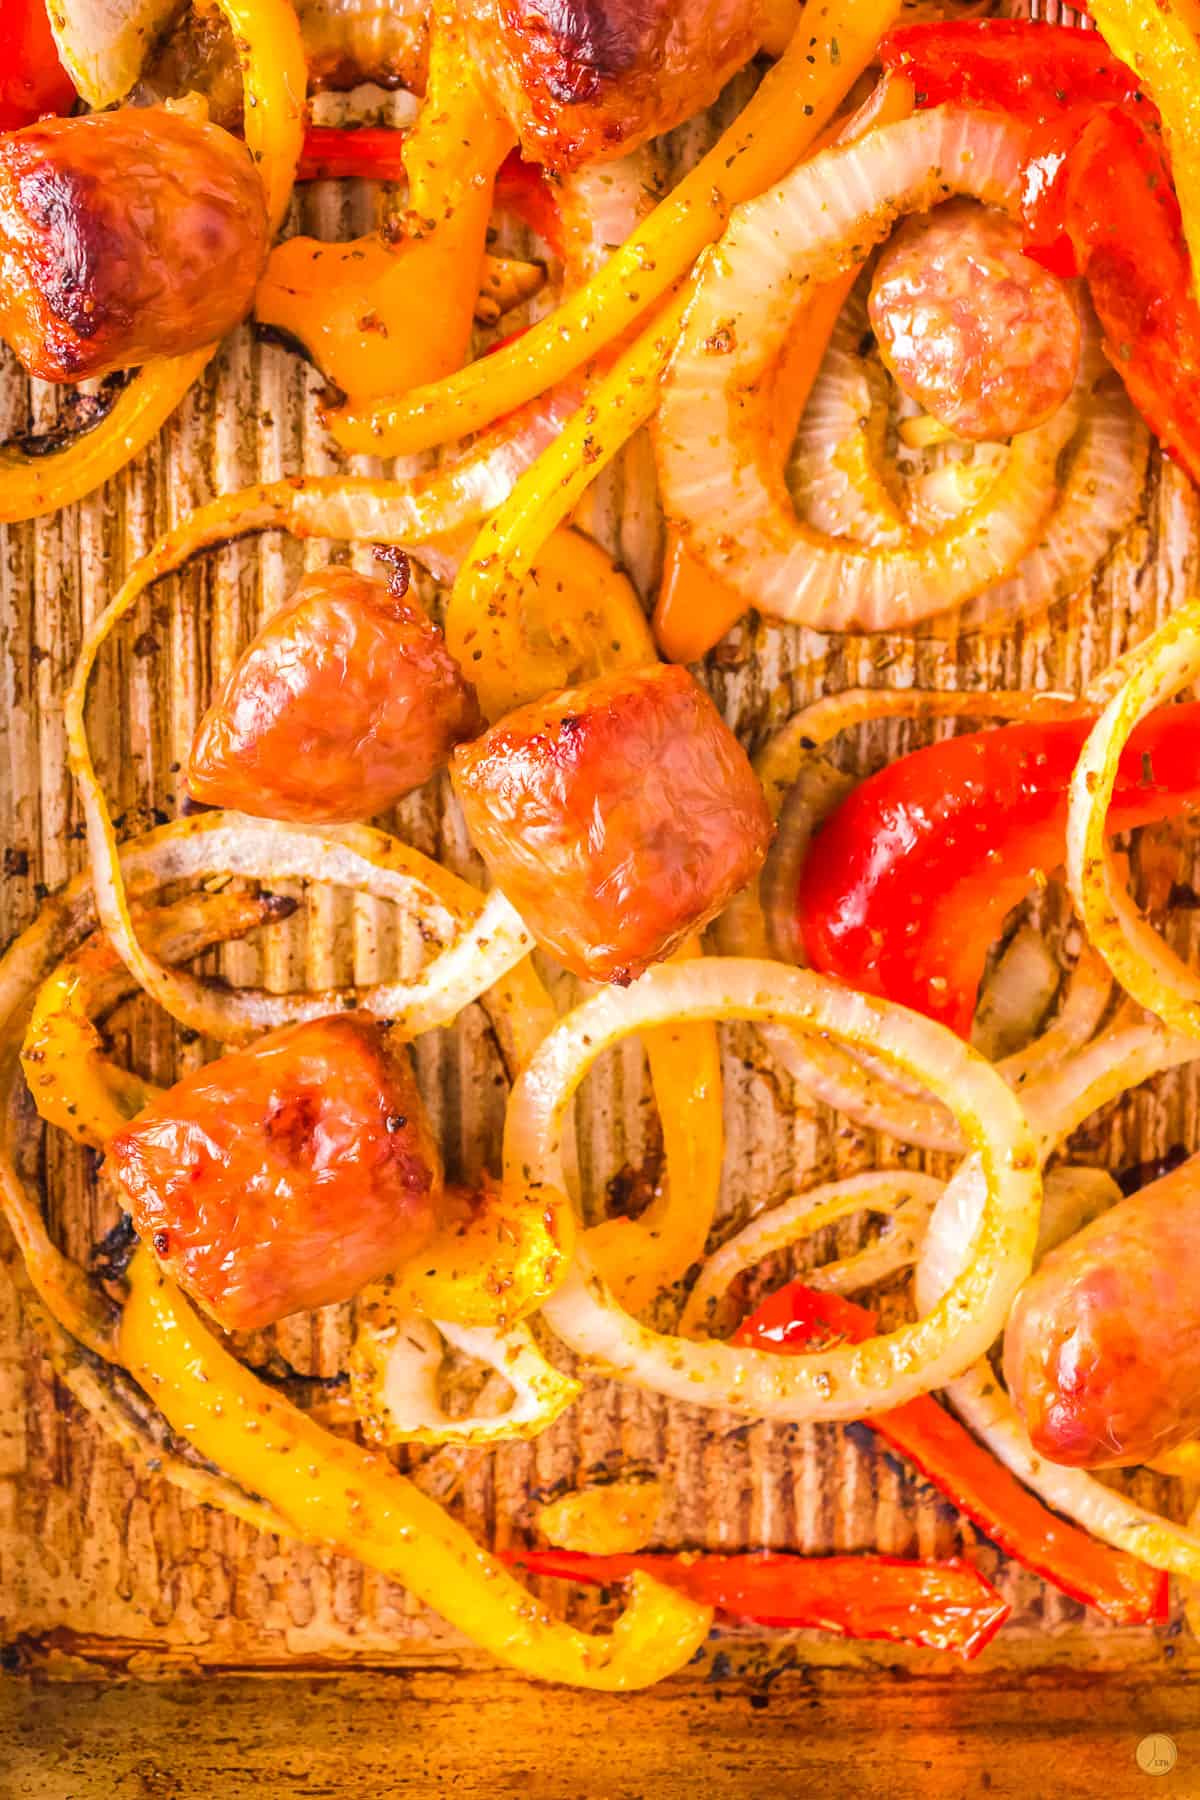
908	882
32	80
1010	65
352	152
526	191
939	1605
1104	207
1098	195
797	1319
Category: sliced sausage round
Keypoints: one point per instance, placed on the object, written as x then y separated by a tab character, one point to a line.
124	236
618	817
975	332
285	1176
346	700
1102	1351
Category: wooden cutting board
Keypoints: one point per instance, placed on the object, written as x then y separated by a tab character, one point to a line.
100	1569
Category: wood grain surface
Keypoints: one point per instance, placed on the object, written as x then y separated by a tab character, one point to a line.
103	1572
489	1737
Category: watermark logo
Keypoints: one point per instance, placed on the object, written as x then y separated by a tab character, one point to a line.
1156	1754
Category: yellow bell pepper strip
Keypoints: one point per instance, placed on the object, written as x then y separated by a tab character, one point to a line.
331	1491
393	309
829	51
275	77
1183	1461
74	1083
640	1257
615	1518
485	621
580	617
1159	42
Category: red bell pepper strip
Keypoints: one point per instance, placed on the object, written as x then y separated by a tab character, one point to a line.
525	190
939	1605
908	882
376	153
797	1319
1012	66
32	80
1098	195
1105	208
352	152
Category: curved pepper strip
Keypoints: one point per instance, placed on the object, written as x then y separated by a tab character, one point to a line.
485	621
938	1605
796	99
908	882
640	1257
331	1491
275	74
74	1083
394	308
797	1319
1159	43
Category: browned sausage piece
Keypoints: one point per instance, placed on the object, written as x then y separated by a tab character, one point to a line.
347	699
975	332
618	817
285	1176
582	79
124	236
1102	1351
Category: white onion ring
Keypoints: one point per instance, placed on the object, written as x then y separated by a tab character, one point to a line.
717	487
1122	1057
1144	965
852	1084
487	938
907	1197
847	1381
839	480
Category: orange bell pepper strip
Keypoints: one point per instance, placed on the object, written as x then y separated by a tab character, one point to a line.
797	1319
388	311
695	607
797	98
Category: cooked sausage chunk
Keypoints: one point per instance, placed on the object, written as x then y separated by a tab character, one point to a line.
617	817
1102	1351
978	335
285	1176
124	236
582	79
347	699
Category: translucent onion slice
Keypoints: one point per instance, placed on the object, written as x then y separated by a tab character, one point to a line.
905	1197
714	424
841	482
1144	965
761	919
848	1381
1119	1059
396	1368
